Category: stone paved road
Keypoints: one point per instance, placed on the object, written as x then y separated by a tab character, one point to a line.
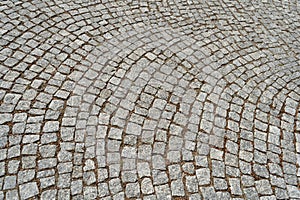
149	99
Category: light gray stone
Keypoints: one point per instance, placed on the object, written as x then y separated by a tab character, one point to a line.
28	190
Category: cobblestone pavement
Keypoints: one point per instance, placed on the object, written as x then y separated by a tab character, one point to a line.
149	99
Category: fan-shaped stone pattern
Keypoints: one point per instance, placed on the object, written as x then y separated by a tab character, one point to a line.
130	119
149	100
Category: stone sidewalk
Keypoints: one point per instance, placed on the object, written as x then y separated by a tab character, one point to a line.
149	99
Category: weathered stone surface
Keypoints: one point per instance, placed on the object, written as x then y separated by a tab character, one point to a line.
149	99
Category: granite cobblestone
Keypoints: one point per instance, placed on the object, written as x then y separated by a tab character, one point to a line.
149	100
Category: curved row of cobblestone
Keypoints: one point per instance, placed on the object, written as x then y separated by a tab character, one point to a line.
149	100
